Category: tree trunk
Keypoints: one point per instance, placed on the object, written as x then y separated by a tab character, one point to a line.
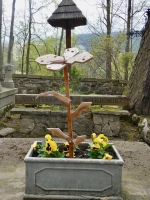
60	43
1	49
108	53
127	49
139	82
11	37
29	39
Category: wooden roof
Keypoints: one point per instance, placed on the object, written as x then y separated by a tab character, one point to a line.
67	15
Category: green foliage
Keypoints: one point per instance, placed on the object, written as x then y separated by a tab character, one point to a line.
115	47
41	150
39	47
75	77
62	89
96	154
128	57
96	68
98	149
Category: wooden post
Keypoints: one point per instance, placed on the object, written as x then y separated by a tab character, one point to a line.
66	76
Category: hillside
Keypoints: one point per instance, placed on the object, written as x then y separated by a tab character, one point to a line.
84	41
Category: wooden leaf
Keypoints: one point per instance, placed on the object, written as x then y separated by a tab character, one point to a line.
78	111
80	58
79	139
70	52
57	132
55	67
57	95
49	58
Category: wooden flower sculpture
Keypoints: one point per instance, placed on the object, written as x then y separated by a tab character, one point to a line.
57	63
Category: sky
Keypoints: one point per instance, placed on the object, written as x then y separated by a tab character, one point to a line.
88	8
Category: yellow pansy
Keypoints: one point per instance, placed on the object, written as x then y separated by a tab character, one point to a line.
95	147
66	147
34	146
50	146
48	137
102	136
103	143
97	140
93	136
107	157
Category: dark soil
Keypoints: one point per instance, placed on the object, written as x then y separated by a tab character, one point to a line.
81	152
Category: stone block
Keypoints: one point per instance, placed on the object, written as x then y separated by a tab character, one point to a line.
97	119
97	129
105	119
115	127
107	131
83	126
41	119
40	130
61	126
26	125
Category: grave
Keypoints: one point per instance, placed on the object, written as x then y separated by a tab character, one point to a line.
34	121
7	97
7	93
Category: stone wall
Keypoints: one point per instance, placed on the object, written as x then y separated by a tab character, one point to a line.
34	122
37	84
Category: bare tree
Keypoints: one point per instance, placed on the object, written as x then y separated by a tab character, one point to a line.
127	48
1	48
11	36
107	13
115	16
108	56
31	21
60	43
29	37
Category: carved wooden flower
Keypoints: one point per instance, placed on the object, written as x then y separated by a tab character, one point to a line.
71	55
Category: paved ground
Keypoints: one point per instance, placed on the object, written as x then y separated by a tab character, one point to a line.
136	169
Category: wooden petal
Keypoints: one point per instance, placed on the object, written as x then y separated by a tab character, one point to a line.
55	67
79	139
70	52
80	58
57	95
49	58
78	111
57	132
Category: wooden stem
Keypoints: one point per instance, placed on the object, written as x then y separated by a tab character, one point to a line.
66	75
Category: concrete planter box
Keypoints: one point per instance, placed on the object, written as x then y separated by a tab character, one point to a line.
72	178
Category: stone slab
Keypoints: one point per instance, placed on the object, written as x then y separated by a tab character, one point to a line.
75	99
7	96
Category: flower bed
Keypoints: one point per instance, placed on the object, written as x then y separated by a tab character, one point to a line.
72	178
99	148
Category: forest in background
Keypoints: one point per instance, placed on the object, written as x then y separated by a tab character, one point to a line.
26	35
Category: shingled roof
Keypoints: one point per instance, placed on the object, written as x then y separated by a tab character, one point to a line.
67	15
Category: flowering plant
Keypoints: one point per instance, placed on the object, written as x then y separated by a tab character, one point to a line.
98	149
48	148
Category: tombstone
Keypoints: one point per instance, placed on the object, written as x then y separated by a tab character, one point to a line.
8	82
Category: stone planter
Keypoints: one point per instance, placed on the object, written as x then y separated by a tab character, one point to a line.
73	178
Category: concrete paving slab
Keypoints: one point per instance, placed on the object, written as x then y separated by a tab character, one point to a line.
135	176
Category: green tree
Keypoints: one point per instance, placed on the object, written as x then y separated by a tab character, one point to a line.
118	56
